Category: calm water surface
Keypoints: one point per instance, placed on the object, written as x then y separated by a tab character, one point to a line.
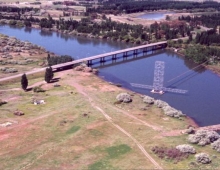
202	102
155	15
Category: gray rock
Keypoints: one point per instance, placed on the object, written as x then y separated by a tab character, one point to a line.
87	69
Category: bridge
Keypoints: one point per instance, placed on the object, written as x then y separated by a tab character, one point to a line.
100	58
113	55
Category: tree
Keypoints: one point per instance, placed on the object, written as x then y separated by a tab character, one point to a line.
48	74
24	82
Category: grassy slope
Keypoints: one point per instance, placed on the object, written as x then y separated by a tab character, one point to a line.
65	138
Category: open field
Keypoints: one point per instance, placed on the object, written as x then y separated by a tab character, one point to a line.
79	127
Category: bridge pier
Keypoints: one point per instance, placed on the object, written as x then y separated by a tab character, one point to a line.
114	57
135	52
89	63
125	54
144	50
102	59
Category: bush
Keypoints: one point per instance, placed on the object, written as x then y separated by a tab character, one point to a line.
148	100
216	145
2	102
38	89
203	158
124	97
169	153
203	137
186	148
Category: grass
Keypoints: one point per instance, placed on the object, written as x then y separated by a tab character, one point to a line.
101	165
73	129
85	142
116	151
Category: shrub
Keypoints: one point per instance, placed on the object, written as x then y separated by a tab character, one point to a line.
2	102
169	153
124	97
186	148
203	137
216	145
203	158
148	100
38	89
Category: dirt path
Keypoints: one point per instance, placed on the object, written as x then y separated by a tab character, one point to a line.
94	105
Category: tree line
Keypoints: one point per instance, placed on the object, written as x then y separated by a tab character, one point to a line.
209	37
200	53
133	6
54	60
211	21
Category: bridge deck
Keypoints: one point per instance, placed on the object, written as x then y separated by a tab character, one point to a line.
86	59
107	54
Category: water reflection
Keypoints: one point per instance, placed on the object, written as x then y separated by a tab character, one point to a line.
28	29
46	33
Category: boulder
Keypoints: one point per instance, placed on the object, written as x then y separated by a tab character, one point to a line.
148	100
124	97
87	69
95	71
78	68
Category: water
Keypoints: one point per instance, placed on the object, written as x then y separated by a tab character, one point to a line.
202	102
61	44
155	15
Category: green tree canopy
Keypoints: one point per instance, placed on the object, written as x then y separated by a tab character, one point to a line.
24	82
48	75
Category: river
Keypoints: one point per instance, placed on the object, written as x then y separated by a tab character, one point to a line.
155	15
201	102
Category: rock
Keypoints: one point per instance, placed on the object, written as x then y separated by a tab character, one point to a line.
18	113
87	69
203	158
190	130
10	70
186	148
203	137
78	68
216	145
148	100
95	71
124	97
83	65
